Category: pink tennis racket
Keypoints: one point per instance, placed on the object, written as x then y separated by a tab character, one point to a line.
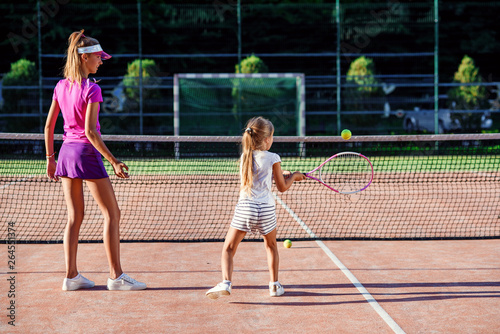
344	173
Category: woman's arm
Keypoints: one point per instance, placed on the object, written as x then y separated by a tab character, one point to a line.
50	124
284	184
95	139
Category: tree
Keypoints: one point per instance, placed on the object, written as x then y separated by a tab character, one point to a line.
251	64
22	73
362	73
362	93
21	100
467	97
131	80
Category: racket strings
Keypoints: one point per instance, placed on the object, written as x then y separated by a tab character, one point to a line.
346	173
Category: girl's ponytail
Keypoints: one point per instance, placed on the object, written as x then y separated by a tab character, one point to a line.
247	161
73	68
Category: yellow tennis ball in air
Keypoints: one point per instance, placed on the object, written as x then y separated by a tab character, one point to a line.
346	134
287	243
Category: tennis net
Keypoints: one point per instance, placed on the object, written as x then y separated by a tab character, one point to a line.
185	189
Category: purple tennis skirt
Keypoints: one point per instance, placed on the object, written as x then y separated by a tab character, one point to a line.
80	161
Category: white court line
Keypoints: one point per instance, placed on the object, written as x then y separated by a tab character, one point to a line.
369	298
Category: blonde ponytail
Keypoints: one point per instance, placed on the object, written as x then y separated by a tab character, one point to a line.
257	130
73	68
247	163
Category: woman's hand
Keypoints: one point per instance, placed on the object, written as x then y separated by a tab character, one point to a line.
51	169
120	169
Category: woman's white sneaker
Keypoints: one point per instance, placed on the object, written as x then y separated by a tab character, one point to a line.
78	282
276	290
221	289
125	283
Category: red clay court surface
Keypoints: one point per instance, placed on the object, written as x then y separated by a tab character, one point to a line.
420	286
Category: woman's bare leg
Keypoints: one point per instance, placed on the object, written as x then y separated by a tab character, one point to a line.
103	193
73	194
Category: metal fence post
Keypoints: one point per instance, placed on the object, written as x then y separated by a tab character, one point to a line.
40	90
436	67
337	19
139	25
239	33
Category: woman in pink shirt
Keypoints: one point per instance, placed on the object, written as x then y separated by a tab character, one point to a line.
78	98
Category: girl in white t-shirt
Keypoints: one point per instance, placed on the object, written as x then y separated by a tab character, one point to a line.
255	210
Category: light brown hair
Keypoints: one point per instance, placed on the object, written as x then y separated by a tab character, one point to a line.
73	68
257	130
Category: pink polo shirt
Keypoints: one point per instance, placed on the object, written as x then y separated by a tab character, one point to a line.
73	103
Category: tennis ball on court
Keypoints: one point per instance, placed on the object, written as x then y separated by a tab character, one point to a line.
346	134
287	243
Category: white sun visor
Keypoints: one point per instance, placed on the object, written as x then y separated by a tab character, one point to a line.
94	49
